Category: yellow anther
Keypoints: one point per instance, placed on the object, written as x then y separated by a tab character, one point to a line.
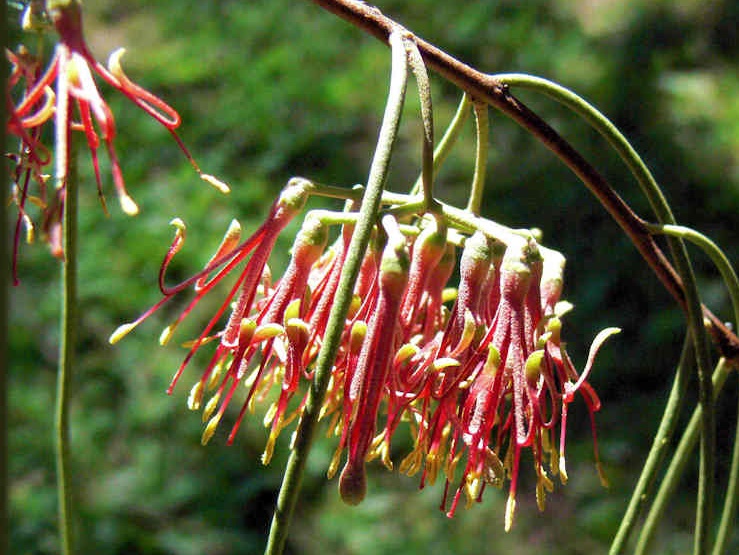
472	488
449	294
215	374
233	233
267	331
443	363
210	429
196	396
541	496
542	340
334	464
215	182
251	378
405	353
433	463
533	365
562	470
554	329
297	329
382	450
451	466
167	333
492	362
199	341
30	229
114	62
292	310
128	205
269	450
120	332
246	331
270	415
468	333
354	307
510	510
357	335
412	463
210	406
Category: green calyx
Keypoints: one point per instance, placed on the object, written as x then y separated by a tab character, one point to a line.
295	194
313	233
395	257
478	248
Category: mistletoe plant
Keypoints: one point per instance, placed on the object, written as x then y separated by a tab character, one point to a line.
368	333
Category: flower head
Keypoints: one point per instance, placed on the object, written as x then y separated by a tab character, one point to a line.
475	385
67	93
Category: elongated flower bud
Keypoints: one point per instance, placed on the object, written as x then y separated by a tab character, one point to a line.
428	248
290	203
368	382
552	280
473	271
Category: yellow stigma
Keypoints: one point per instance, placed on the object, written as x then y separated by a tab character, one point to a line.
562	469
166	334
210	406
196	396
215	182
210	429
269	448
128	205
510	510
114	61
120	332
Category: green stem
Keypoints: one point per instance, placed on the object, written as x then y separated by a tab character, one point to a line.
678	464
448	140
332	191
716	255
482	126
69	319
693	308
604	126
729	276
405	205
658	451
4	298
360	239
727	524
427	118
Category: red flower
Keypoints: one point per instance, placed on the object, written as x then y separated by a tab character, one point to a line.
515	387
250	324
72	68
477	385
368	383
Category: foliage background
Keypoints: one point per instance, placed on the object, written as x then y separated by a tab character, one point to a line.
271	89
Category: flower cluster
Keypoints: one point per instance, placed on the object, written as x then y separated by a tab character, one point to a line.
477	374
66	84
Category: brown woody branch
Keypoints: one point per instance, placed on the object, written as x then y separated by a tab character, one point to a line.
483	87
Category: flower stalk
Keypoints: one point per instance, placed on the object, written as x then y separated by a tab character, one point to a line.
287	497
69	321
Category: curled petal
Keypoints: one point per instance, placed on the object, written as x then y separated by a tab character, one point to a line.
151	104
44	113
597	344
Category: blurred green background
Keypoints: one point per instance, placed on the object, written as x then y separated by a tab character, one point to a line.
272	89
